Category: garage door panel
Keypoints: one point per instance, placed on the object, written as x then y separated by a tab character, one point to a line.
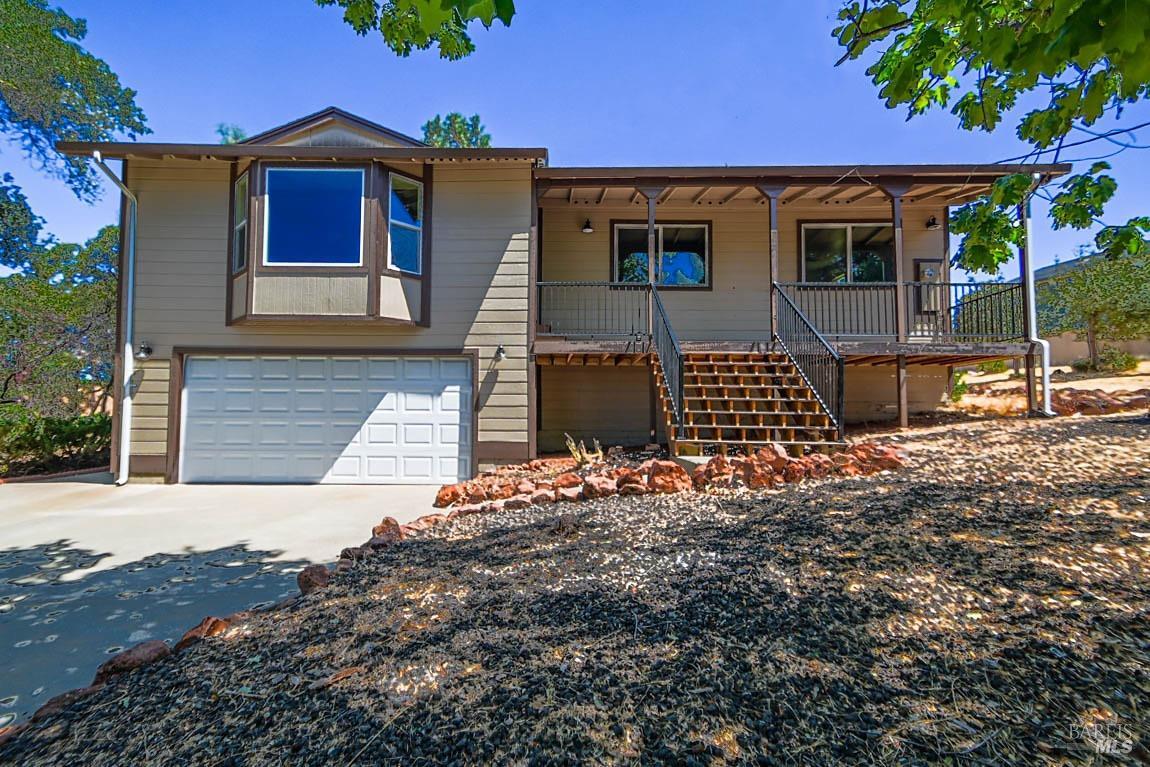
326	419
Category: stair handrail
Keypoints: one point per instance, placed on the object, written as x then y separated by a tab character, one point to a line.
670	353
818	362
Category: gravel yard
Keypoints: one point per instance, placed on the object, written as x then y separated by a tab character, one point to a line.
986	605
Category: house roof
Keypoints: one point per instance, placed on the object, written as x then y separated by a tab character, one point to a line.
1060	268
129	149
330	115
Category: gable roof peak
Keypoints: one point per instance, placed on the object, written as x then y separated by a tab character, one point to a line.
329	116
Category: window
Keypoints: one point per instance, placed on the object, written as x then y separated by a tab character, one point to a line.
240	224
314	217
684	255
848	253
405	225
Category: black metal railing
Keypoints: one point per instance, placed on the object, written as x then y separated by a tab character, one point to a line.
937	311
670	353
970	312
577	308
821	367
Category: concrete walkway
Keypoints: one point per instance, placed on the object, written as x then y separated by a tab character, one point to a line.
87	568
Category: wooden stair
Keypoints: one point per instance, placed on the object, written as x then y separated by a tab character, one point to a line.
744	399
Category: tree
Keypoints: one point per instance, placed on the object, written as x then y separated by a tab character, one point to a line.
51	90
19	226
1104	298
408	25
456	131
1070	63
230	133
57	327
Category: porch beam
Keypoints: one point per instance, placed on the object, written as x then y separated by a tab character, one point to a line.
868	192
772	195
732	195
800	194
700	195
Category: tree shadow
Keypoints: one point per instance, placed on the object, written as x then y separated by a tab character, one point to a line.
59	622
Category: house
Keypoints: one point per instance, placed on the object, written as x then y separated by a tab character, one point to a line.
333	301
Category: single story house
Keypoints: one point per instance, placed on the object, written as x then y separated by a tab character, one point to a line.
333	301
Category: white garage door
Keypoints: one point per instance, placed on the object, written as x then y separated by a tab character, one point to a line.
354	420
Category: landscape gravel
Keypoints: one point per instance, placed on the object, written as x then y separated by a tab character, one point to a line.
986	605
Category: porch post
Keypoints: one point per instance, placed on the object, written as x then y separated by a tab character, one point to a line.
652	194
896	192
1030	319
903	409
772	193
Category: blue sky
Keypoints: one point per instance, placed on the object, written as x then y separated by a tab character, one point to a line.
641	82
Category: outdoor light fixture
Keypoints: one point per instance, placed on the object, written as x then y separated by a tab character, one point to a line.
932	224
587	228
500	353
144	350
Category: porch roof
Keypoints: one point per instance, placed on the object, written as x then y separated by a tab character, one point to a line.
740	185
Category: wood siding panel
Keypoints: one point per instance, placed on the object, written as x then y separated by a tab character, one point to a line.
310	294
480	219
610	404
871	393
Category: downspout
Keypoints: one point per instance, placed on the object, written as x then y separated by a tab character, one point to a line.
124	403
1027	277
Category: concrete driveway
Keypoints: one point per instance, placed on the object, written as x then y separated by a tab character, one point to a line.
87	568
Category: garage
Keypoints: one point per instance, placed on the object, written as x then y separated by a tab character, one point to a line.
326	419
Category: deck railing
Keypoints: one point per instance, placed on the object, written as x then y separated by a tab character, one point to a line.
579	308
670	353
817	361
935	311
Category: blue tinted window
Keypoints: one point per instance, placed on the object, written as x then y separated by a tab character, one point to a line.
314	216
405	248
405	229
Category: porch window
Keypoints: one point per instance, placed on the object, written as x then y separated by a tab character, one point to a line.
240	224
848	252
405	224
684	258
314	217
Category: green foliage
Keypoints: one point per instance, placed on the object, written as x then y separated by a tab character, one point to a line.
28	440
51	90
959	388
994	366
1115	359
456	131
19	226
57	327
1106	298
230	133
409	25
1077	61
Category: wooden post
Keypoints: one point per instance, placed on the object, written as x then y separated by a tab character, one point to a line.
772	193
1031	389
896	192
903	409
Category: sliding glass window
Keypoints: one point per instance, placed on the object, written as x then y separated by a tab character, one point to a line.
848	253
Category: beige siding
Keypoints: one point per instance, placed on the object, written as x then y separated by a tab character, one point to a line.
736	308
400	298
611	404
239	295
871	393
310	294
480	221
338	135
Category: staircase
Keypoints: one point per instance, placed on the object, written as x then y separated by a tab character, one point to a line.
743	399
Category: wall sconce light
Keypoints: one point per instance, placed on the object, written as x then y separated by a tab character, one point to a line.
932	224
144	350
500	354
587	228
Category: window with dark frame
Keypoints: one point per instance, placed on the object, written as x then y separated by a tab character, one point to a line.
854	252
314	217
684	259
240	224
405	224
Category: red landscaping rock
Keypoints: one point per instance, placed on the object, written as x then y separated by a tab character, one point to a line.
543	496
757	475
426	522
820	465
568	479
525	487
717	472
61	702
599	486
668	477
142	654
569	494
465	510
796	470
449	495
313	578
476	493
517	502
501	491
774	456
209	627
387	529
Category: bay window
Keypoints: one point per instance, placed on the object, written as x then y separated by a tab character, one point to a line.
405	224
855	252
240	224
313	217
683	258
